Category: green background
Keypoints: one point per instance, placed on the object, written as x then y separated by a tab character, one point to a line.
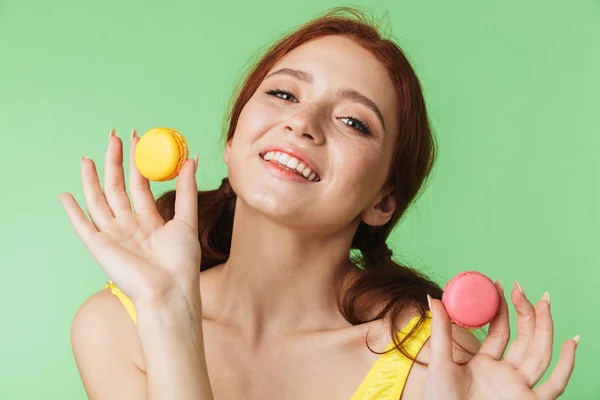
513	94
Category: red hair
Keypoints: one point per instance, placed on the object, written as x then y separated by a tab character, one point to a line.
384	288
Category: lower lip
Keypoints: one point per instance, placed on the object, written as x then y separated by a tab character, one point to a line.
283	173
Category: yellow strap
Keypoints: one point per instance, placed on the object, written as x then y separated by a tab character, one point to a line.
124	299
387	377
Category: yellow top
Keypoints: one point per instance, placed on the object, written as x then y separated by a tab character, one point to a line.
387	377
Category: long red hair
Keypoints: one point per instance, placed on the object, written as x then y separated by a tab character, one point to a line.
384	288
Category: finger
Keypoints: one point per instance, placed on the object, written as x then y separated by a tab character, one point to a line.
95	202
82	225
441	334
141	194
114	179
186	195
540	354
556	384
525	327
499	330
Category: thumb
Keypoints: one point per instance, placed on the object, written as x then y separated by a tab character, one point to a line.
186	197
441	334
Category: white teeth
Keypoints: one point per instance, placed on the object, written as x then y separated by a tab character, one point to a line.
283	158
293	163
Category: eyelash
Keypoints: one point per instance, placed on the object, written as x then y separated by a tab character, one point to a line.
362	126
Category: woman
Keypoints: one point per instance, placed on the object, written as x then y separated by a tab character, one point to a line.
279	284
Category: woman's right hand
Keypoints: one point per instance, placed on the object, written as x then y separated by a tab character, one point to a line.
147	258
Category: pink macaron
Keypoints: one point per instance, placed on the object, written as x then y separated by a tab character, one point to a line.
471	299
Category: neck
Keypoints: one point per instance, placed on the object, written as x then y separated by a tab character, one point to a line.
278	282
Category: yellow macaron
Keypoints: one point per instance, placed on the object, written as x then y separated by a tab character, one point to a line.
160	154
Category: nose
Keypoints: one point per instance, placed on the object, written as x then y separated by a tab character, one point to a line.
306	124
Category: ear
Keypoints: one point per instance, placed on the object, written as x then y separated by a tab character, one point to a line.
227	150
382	209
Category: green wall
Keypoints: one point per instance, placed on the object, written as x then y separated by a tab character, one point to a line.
513	93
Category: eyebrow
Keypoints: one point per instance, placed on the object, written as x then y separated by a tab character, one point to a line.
348	94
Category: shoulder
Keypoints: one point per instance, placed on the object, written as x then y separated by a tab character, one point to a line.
465	345
103	330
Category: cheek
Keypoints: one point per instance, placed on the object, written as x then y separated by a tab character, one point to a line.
362	165
255	118
370	177
362	176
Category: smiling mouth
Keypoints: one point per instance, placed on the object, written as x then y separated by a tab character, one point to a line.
291	164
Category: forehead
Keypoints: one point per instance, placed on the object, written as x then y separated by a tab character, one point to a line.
339	62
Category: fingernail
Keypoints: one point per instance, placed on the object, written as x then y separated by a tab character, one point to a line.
520	288
546	297
196	163
83	158
112	133
500	285
576	339
429	301
133	133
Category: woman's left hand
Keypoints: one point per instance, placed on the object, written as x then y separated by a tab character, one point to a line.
489	375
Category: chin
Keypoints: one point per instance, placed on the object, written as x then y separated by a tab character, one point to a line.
275	204
287	203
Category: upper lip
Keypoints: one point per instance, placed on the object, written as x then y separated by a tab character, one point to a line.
295	152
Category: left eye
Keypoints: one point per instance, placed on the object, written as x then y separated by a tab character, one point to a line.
354	123
357	124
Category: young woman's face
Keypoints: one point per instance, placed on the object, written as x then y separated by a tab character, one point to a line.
331	100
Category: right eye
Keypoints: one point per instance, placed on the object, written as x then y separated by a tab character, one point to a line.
282	94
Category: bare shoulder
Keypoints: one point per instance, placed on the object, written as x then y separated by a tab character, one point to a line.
465	345
106	348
